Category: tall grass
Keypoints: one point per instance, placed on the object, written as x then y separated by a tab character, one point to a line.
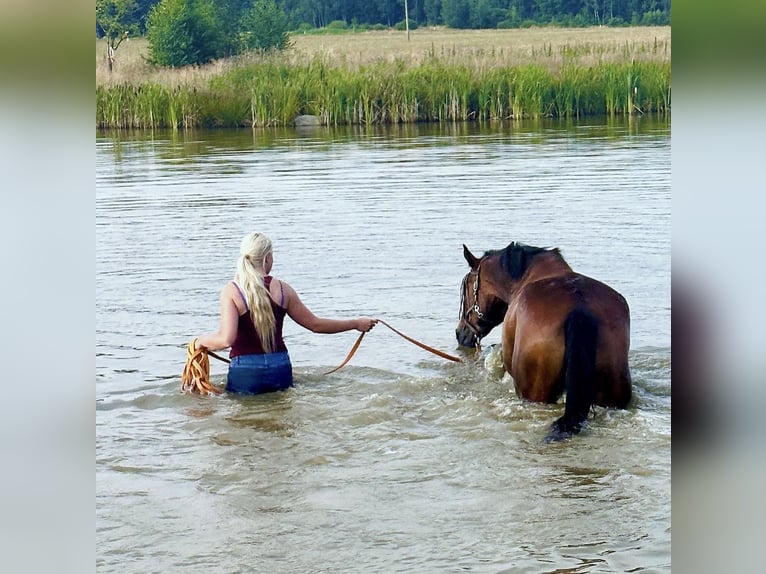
453	82
272	94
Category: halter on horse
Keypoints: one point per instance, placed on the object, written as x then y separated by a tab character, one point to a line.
484	322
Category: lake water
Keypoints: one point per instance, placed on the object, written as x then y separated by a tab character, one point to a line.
401	461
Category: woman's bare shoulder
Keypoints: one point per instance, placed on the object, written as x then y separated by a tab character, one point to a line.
230	291
281	287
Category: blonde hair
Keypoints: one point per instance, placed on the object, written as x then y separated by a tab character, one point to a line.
253	250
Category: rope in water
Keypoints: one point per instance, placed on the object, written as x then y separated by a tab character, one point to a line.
196	374
428	348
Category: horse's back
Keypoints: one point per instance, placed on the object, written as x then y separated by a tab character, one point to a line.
541	311
553	298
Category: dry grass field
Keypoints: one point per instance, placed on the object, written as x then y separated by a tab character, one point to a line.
549	47
509	46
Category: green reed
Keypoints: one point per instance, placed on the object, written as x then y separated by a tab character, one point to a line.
273	93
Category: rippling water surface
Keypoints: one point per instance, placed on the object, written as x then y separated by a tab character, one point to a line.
399	462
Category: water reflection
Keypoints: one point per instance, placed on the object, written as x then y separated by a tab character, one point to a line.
210	144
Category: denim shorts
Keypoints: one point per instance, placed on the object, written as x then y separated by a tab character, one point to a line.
256	374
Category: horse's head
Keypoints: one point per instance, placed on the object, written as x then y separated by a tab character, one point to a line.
481	310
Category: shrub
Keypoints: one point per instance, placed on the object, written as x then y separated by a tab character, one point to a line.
183	32
402	26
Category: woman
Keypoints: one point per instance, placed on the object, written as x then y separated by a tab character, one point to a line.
253	309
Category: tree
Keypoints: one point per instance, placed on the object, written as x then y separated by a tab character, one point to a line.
486	13
264	26
456	13
183	32
116	19
433	10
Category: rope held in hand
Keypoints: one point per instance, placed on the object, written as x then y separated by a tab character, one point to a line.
196	374
410	339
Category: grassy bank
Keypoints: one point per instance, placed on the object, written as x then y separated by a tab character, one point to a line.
379	77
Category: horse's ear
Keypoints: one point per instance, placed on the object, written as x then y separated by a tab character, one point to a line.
472	260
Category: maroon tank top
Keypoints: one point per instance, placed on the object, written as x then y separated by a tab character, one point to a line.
247	341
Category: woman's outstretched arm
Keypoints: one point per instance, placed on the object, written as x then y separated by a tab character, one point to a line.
302	315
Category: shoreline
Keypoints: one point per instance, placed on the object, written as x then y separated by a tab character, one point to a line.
378	78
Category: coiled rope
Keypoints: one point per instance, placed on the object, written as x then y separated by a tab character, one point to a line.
196	374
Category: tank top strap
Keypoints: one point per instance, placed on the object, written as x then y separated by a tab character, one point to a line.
267	281
241	294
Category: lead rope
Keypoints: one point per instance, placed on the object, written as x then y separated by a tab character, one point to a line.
410	339
196	374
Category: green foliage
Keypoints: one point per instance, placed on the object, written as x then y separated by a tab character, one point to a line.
263	27
337	25
456	13
146	107
116	19
433	11
403	25
141	13
486	13
316	14
511	19
655	18
183	32
272	93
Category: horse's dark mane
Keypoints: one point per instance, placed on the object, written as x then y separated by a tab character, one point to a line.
515	258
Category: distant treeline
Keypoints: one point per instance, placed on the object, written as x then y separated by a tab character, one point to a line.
307	14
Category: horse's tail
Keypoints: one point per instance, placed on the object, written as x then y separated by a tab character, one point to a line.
581	335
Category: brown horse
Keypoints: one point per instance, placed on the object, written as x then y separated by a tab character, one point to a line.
562	331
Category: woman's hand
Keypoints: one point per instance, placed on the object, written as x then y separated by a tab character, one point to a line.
365	324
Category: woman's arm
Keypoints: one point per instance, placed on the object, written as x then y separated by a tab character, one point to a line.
227	329
305	318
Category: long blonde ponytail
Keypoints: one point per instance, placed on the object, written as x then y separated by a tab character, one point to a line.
253	250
